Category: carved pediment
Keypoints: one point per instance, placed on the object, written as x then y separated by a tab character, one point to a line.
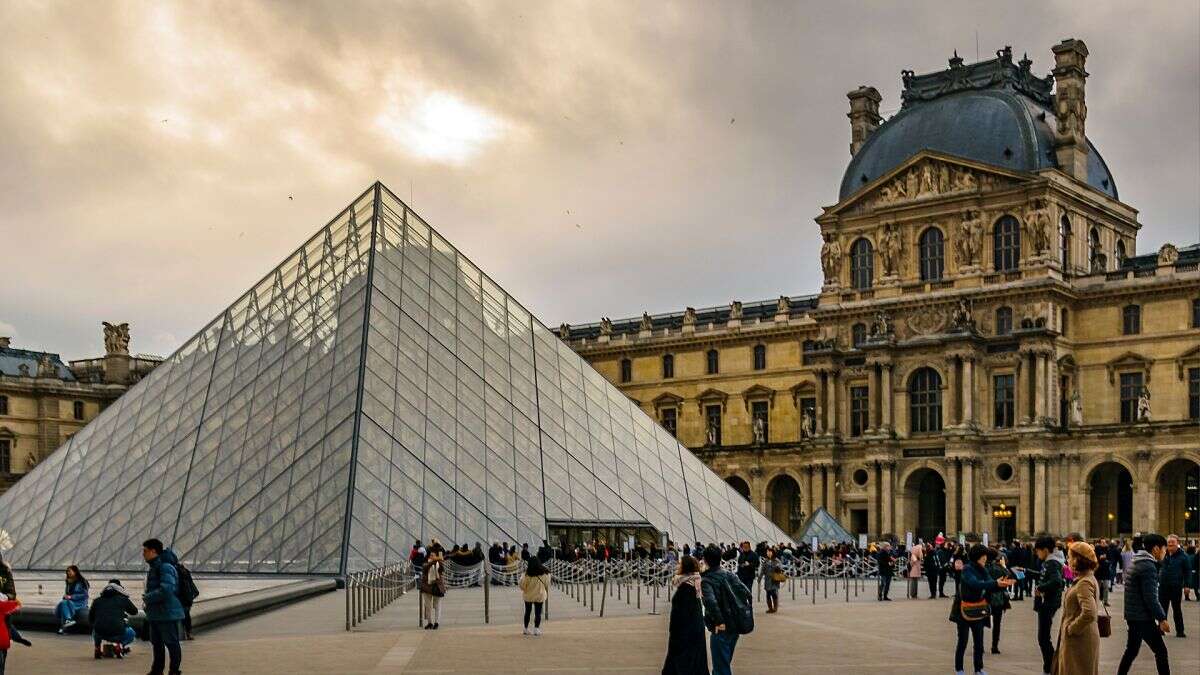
1188	359
711	397
1128	361
928	319
929	175
667	400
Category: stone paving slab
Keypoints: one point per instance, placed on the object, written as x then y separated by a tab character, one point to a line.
833	636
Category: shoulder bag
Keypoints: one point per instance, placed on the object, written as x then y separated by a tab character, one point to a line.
1103	622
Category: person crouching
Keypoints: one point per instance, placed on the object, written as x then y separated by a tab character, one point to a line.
108	618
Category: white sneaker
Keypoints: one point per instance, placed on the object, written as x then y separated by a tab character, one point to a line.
537	631
525	631
69	623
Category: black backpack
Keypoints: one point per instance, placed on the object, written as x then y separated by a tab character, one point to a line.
740	619
186	590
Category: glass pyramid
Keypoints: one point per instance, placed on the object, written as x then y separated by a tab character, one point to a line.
822	525
373	389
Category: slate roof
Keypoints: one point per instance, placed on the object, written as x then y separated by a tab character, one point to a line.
11	360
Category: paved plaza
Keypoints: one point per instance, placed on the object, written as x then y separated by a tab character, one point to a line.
831	636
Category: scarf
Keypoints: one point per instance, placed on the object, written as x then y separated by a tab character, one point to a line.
692	580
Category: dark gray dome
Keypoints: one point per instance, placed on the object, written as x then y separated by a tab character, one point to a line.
999	126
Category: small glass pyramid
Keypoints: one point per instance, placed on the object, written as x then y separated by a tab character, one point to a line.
822	525
373	389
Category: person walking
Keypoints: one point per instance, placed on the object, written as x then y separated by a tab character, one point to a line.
1144	614
772	574
1047	594
164	611
887	568
685	634
1078	650
108	618
998	601
1193	585
535	591
74	601
747	565
8	586
1174	573
433	588
915	557
728	611
931	568
966	613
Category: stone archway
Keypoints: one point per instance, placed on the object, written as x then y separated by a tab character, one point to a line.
1110	500
739	486
783	500
925	503
1178	488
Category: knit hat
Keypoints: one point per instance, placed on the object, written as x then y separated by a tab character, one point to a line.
939	540
1082	549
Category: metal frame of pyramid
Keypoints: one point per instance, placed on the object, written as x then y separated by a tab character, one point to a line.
822	525
374	388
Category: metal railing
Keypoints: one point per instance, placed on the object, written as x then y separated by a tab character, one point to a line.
371	590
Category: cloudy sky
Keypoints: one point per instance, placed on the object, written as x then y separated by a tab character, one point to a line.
598	158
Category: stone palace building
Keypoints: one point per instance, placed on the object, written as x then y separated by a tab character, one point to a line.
989	352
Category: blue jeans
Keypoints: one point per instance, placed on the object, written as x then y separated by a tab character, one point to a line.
65	611
126	639
721	646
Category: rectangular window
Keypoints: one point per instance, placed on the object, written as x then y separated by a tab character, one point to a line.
3	405
77	409
714	362
669	420
1064	322
1131	389
712	417
626	370
1196	313
760	357
5	456
668	366
1003	401
1131	320
758	411
1194	393
860	411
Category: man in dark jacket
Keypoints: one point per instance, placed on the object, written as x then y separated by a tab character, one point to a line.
1176	570
1143	612
887	567
747	565
727	610
107	617
163	609
545	553
1047	594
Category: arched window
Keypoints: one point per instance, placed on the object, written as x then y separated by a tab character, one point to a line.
668	366
760	357
933	258
1064	240
862	264
626	370
1120	253
1095	254
713	359
925	400
1004	323
1006	245
858	335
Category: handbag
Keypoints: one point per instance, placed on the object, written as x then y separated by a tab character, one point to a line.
1104	623
974	610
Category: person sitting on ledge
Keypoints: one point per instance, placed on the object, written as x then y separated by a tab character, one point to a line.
74	601
108	618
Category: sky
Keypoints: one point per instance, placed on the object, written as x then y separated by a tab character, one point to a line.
596	159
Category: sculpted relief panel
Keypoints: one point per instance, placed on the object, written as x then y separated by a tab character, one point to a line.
927	179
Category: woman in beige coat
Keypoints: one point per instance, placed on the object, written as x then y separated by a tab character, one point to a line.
535	591
1079	635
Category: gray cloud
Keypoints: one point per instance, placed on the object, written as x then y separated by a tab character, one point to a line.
617	173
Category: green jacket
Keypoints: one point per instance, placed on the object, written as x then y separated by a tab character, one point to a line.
1050	583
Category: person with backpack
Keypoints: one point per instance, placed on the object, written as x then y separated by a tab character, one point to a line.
728	610
970	611
187	593
108	618
1047	594
164	611
535	591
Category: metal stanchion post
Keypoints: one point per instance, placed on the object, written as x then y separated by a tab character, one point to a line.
603	595
486	593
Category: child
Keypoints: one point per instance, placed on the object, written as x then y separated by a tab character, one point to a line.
6	607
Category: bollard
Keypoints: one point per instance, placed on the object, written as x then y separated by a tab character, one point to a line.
486	593
603	596
420	603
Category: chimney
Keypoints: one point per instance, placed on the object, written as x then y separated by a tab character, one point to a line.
864	115
4	342
1070	107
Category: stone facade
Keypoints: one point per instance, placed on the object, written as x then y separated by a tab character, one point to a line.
987	354
43	401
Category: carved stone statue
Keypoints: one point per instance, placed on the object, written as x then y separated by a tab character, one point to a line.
735	310
831	259
1143	408
23	369
689	316
1076	409
606	326
31	460
889	249
1071	111
893	192
710	435
116	338
783	306
1168	254
961	319
46	367
806	424
646	324
564	331
760	431
968	242
1037	225
881	326
964	179
928	182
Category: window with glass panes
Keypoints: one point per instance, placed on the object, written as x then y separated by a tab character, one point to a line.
758	411
670	421
3	405
1196	313
932	245
77	409
1004	321
668	366
5	455
1131	389
626	370
1194	393
713	359
1131	319
760	357
712	418
1003	401
925	401
1064	241
1006	245
858	335
862	264
859	410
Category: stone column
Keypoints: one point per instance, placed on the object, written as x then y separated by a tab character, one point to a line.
824	419
1143	504
952	388
831	489
806	498
886	469
968	494
1039	494
886	397
1025	501
876	422
1075	497
952	484
818	474
1040	392
1052	393
835	423
1024	382
969	392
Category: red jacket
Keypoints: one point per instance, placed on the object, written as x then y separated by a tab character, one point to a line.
6	607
